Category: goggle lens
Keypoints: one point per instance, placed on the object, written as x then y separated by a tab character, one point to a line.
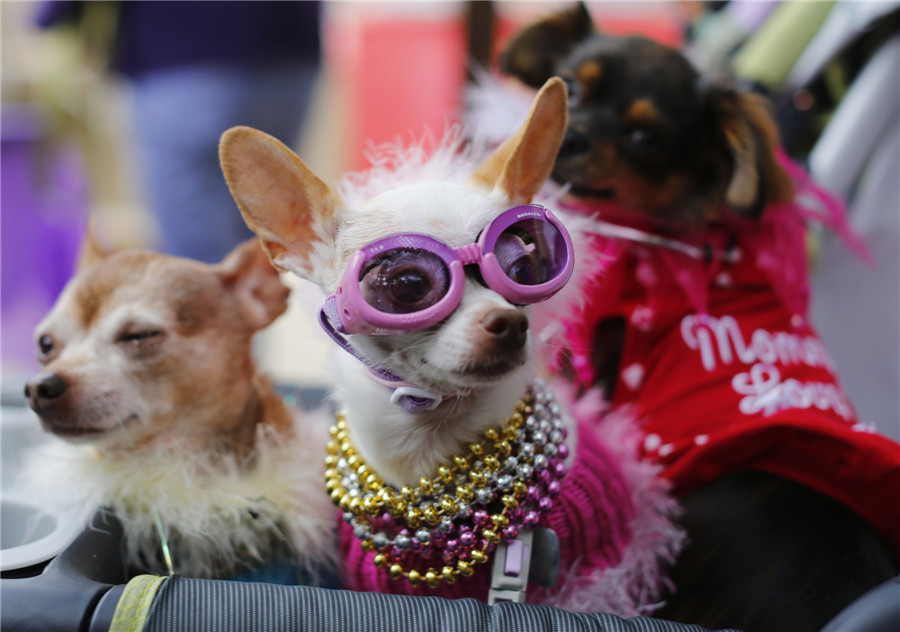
404	281
531	251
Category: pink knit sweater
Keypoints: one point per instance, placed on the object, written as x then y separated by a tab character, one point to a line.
592	517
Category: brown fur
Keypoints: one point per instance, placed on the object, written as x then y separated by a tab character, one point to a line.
149	370
150	349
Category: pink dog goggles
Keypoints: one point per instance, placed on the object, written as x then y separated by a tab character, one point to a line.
408	282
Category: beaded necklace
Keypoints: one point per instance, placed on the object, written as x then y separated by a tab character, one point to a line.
454	520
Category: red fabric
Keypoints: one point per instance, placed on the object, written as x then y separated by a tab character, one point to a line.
725	373
591	516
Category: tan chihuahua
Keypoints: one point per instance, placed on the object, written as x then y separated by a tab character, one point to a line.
449	452
150	379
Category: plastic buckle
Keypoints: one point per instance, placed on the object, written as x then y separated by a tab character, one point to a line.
512	563
420	396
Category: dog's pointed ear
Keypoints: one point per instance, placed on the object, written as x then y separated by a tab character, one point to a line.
292	211
256	284
750	140
92	251
534	54
522	163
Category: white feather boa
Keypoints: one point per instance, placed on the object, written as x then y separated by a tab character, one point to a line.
636	585
220	517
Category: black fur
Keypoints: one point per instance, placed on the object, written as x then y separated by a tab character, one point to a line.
647	131
769	555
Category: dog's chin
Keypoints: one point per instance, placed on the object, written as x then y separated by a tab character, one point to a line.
92	432
479	373
607	193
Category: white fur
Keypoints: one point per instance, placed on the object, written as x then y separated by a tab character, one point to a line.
495	108
404	447
207	504
394	166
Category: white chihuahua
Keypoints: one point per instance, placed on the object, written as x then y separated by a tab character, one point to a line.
449	452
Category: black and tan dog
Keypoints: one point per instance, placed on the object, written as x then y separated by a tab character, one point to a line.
645	130
680	157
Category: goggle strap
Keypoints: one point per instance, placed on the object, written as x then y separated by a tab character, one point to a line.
328	315
412	400
628	233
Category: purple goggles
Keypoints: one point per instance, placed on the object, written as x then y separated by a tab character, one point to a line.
408	282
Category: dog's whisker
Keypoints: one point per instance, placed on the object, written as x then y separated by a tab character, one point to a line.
126	431
157	519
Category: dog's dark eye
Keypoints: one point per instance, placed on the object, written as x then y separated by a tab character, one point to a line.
572	89
646	143
45	345
410	287
520	260
643	137
405	281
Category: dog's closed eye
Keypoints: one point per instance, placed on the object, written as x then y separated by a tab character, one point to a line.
138	335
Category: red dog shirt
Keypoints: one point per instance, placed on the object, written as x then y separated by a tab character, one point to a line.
723	370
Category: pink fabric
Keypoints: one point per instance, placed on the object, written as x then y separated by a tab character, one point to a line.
819	204
592	517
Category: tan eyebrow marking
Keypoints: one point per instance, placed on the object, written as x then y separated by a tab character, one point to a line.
590	71
641	112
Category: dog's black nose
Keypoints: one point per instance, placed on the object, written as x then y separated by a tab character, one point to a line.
44	388
509	328
574	144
